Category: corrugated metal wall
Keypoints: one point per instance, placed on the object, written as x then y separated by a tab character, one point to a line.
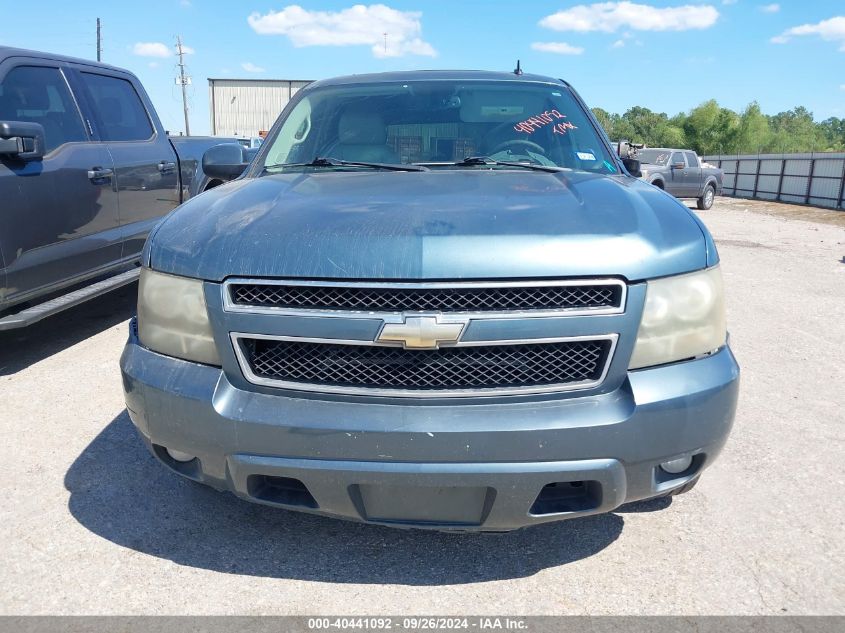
243	107
817	179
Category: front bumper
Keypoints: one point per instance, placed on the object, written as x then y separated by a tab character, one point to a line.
484	466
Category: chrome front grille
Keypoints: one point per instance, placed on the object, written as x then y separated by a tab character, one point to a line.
450	369
424	339
473	297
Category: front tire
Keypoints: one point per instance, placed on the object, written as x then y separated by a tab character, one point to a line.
705	202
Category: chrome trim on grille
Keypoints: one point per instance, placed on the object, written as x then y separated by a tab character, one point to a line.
391	317
251	377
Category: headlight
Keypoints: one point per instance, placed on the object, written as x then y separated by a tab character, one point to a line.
684	317
173	319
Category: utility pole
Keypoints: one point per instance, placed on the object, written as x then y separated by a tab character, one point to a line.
184	80
99	42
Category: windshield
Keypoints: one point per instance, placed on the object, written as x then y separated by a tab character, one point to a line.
439	123
653	156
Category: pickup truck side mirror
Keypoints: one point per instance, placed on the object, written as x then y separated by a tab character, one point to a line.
633	167
21	140
225	161
679	165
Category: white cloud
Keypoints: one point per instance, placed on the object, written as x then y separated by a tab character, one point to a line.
611	16
158	49
252	68
360	25
151	49
831	30
770	8
561	48
618	44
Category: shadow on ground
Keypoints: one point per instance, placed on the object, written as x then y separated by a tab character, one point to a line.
121	493
26	346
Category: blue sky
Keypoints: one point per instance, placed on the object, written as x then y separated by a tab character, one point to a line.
668	55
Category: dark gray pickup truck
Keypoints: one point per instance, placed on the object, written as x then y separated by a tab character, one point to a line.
682	173
86	170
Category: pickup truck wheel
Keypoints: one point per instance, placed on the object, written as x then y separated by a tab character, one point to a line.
706	199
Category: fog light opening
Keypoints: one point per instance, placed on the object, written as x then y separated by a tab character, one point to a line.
678	465
179	456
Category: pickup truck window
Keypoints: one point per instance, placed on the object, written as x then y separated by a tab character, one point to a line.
122	114
692	159
677	157
38	94
439	123
653	156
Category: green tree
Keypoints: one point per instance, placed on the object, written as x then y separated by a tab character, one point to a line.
644	125
711	129
831	134
605	119
753	134
793	131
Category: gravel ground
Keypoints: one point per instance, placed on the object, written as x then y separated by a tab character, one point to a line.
92	525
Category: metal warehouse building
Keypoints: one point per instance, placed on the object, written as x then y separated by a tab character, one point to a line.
247	107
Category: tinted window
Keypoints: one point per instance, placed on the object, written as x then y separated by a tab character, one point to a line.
122	114
692	159
653	156
677	157
36	94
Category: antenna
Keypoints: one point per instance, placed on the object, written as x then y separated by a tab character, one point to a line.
518	69
385	43
99	41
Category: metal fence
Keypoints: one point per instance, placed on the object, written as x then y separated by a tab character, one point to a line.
817	179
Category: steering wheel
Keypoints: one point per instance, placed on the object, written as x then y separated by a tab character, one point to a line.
518	141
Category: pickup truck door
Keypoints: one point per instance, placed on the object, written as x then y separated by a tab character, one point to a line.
692	181
145	162
676	181
58	215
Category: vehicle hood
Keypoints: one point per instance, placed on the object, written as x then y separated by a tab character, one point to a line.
449	224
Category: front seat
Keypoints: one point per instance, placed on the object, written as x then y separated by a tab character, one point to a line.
362	137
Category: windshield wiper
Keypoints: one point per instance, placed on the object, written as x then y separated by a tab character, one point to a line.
320	161
473	161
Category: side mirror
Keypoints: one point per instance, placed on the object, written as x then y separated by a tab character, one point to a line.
225	161
633	167
21	140
679	165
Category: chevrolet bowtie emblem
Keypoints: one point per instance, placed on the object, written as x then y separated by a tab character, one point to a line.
421	332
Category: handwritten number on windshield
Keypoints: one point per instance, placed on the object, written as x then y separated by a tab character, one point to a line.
531	124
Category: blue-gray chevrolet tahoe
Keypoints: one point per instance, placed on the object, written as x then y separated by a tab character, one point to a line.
434	300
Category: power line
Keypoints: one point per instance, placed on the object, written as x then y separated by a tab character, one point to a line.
183	80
